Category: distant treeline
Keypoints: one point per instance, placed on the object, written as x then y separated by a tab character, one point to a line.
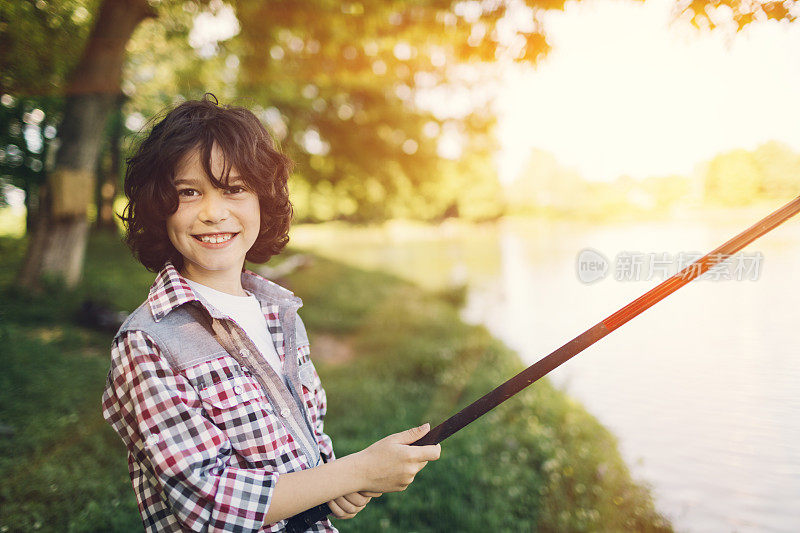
735	178
740	176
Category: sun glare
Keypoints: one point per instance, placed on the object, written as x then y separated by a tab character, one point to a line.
628	90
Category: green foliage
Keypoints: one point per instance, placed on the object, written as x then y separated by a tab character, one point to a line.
667	191
546	188
735	15
349	90
342	91
41	42
779	168
736	178
27	129
739	177
475	194
163	68
544	182
339	87
539	462
732	178
12	222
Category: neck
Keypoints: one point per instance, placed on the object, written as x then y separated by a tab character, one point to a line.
222	280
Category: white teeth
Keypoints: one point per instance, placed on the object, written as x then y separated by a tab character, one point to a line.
215	239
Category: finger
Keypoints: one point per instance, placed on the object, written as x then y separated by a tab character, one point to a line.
411	435
427	453
335	509
346	506
370	494
357	499
338	512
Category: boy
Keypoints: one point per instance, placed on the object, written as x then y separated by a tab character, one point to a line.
211	386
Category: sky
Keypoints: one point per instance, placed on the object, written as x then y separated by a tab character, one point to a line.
629	90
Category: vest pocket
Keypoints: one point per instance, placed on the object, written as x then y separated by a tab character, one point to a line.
231	392
238	406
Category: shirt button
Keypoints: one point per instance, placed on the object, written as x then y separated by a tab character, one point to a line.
245	370
237	389
153	439
285	412
245	352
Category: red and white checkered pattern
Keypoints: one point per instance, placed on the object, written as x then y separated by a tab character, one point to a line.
205	447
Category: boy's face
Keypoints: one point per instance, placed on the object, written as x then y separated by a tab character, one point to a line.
213	229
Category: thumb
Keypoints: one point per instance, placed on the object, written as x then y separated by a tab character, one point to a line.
411	435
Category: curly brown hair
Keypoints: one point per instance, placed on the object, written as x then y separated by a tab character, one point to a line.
198	125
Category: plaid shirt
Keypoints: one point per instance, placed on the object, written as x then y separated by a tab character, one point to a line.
205	443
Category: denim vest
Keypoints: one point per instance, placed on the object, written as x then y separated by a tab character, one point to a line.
195	332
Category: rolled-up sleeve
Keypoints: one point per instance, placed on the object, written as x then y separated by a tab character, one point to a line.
321	404
160	418
325	442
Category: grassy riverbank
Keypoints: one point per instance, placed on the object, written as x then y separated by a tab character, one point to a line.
539	462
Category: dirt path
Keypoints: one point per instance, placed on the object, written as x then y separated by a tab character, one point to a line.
331	349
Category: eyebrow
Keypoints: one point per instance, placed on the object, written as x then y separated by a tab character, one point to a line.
195	181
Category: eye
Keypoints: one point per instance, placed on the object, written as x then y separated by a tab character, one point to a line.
187	193
236	189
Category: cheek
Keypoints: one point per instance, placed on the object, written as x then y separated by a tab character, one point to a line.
254	215
171	229
176	226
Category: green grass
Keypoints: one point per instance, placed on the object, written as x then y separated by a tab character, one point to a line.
12	222
539	462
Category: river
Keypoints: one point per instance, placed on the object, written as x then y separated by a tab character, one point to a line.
702	390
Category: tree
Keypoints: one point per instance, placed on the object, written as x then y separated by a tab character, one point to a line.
58	242
352	94
545	183
29	125
39	43
733	178
735	14
779	167
109	168
349	81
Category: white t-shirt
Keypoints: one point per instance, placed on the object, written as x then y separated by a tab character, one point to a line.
246	311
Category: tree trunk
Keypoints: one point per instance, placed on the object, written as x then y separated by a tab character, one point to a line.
31	206
109	182
58	243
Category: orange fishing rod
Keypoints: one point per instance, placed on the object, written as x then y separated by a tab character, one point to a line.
558	357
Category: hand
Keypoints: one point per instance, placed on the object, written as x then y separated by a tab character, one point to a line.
390	464
349	505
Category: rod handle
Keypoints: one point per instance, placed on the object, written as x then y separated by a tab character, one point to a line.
302	521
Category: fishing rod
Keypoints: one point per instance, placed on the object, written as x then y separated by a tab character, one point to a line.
545	365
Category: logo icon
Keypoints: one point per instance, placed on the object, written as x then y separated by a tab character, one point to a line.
591	266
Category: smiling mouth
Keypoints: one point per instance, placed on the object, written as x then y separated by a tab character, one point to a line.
215	238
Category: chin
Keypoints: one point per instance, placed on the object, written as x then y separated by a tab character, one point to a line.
214	266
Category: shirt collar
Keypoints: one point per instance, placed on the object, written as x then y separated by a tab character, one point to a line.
171	290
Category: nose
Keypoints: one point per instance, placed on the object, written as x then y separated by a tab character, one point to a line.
214	208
